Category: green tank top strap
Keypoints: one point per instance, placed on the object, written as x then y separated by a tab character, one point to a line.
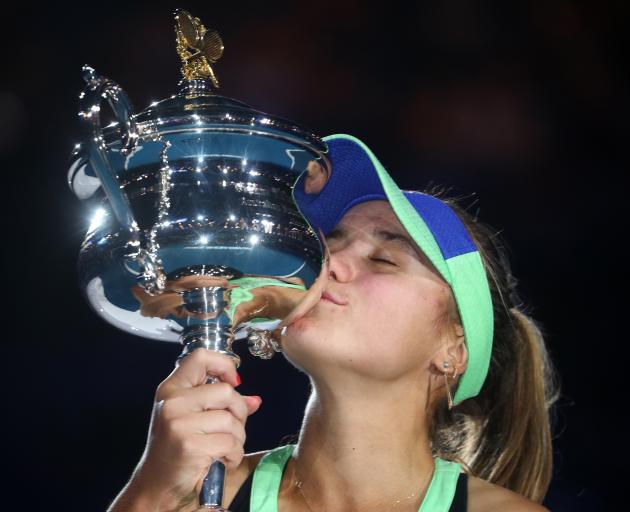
268	475
267	478
442	488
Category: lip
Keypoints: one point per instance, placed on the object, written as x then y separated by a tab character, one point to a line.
331	298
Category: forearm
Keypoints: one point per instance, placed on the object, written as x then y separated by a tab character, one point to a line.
131	500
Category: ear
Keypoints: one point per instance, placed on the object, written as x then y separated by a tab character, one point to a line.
452	350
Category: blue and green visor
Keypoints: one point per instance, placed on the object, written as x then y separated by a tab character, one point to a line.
357	176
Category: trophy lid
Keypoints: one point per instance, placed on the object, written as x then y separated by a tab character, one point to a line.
196	104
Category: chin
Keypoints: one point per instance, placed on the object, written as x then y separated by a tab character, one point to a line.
301	332
305	339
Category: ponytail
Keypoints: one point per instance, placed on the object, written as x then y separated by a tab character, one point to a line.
503	435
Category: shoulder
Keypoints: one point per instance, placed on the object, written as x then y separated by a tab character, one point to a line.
235	478
484	496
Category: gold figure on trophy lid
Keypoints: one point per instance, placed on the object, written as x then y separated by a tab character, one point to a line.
197	47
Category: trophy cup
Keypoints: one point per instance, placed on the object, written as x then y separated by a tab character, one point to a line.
192	203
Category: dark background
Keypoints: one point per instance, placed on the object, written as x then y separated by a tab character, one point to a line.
523	104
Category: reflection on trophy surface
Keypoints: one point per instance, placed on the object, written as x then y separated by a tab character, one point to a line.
195	237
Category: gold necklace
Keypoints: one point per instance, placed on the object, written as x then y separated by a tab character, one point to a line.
423	488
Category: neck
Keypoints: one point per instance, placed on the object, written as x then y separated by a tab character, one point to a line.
362	449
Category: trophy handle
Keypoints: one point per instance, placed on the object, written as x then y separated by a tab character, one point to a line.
99	88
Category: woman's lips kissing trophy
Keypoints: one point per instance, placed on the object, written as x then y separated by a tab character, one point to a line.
192	203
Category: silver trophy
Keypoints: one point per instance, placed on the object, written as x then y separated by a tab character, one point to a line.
191	199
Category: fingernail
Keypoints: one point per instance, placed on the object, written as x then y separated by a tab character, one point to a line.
238	379
257	398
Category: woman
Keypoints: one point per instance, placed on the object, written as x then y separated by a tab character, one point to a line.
430	388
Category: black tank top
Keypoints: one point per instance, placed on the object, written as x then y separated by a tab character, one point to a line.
240	503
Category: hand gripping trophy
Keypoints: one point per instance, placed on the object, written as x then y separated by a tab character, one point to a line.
193	213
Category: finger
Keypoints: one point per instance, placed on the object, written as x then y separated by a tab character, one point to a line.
224	447
194	369
253	403
212	422
220	395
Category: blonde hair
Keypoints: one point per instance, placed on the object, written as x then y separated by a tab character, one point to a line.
503	435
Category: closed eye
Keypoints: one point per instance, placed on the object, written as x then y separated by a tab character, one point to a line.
384	261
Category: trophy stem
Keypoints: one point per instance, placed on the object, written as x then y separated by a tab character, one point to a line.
209	327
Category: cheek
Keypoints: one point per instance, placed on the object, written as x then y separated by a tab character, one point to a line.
402	316
421	300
